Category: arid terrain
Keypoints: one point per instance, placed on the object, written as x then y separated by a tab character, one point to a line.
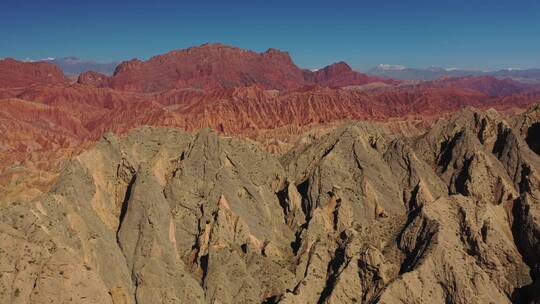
215	174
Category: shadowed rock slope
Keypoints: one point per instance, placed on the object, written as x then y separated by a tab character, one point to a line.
356	216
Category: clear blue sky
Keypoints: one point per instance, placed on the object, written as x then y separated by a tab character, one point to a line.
486	34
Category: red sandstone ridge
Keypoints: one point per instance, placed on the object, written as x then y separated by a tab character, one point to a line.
248	109
228	89
213	66
339	75
208	66
15	73
46	123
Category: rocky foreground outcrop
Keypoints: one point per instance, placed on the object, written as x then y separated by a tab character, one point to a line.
357	216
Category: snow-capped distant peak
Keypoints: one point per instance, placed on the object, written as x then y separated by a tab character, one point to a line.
391	67
34	60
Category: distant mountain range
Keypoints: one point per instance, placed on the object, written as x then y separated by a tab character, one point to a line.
75	66
405	73
72	66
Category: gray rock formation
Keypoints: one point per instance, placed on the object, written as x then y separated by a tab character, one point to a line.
357	216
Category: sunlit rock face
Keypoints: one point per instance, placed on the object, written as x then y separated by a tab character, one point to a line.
358	215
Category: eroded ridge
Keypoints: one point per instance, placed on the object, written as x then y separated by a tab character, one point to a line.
356	216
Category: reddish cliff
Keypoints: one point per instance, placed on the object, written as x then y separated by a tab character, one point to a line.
212	66
339	75
15	73
45	118
208	66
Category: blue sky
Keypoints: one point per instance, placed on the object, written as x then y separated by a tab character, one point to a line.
477	34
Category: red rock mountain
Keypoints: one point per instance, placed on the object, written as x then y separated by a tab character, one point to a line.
15	73
449	216
44	124
46	118
212	66
339	75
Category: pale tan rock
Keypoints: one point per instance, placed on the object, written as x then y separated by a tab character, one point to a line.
353	216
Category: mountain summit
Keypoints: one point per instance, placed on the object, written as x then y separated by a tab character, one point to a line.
211	66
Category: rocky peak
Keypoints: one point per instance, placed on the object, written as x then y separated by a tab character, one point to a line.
93	79
358	215
127	66
338	75
211	66
338	67
278	55
15	73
